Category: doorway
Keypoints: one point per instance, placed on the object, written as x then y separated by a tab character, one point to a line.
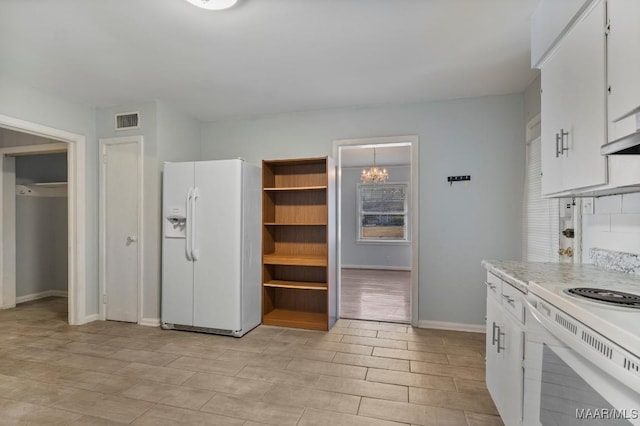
74	145
378	229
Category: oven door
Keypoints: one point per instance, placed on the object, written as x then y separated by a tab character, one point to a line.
563	387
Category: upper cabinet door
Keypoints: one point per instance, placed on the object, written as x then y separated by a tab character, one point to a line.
623	57
553	119
573	107
586	88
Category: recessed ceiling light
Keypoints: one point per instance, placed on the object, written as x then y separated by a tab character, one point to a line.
213	4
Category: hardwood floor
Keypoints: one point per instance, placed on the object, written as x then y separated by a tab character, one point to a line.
376	295
360	373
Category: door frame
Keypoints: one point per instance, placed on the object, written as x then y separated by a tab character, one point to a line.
102	273
76	183
413	142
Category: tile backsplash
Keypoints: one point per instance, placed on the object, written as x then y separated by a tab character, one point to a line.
623	262
614	226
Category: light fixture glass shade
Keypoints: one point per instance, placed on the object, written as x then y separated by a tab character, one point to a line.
213	4
374	174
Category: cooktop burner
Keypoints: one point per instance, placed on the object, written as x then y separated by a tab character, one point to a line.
612	297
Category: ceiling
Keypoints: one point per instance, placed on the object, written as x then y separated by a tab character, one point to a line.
267	56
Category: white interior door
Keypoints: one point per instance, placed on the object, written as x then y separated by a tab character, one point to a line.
121	210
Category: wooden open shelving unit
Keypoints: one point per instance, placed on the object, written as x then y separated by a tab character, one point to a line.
298	243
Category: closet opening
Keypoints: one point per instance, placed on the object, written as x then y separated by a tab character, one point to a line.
35	225
41	226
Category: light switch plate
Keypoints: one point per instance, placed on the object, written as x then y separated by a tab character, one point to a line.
587	205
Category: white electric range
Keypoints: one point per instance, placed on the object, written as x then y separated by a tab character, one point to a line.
582	356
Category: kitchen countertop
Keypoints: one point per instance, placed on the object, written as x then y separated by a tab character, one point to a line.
549	280
520	273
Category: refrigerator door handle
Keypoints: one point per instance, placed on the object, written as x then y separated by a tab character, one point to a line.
189	225
195	253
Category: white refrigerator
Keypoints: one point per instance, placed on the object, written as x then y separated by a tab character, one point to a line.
211	247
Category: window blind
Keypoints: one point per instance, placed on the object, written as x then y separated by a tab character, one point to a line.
541	216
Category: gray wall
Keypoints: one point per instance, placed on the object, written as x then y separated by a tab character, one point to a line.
377	254
41	227
41	168
33	105
169	135
532	100
12	138
459	225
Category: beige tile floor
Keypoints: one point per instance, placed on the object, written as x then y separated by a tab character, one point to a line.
359	373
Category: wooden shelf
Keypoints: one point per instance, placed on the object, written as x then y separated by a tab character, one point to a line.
298	319
294	260
298	243
298	188
294	224
300	285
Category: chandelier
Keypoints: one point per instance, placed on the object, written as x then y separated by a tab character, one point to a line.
374	174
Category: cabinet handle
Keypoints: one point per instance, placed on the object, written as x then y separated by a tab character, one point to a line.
493	337
510	300
557	145
500	336
491	286
562	147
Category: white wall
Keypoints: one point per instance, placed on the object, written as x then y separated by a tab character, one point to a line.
459	225
37	106
614	226
377	254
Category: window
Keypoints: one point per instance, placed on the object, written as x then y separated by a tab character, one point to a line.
541	215
382	212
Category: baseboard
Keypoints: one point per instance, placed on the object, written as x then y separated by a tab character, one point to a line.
8	306
454	326
150	322
388	268
41	295
90	318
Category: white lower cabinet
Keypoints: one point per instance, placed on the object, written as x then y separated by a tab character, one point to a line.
505	350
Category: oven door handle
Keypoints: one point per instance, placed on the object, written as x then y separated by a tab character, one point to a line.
584	350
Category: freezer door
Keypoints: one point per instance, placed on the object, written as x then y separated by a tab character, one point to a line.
217	242
177	268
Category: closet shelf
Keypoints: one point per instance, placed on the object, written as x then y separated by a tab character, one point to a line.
43	189
49	184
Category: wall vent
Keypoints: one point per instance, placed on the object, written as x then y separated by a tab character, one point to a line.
127	120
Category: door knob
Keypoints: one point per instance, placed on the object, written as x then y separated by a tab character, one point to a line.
131	239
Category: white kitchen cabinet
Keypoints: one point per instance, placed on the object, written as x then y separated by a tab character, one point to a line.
549	22
505	349
623	66
573	107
